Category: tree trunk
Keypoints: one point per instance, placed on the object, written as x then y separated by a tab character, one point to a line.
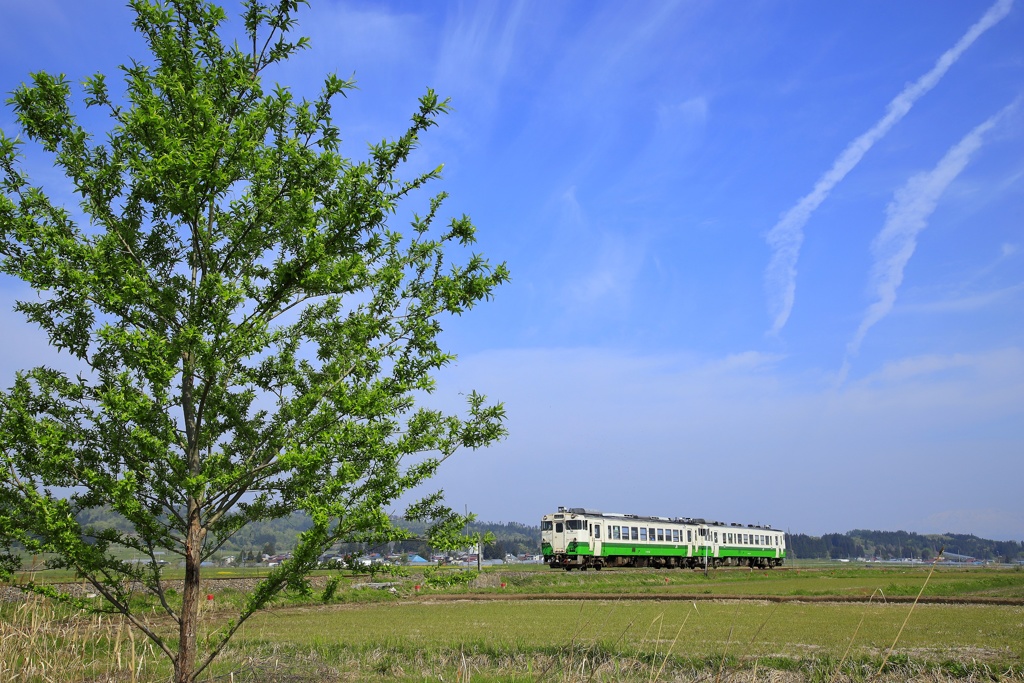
185	663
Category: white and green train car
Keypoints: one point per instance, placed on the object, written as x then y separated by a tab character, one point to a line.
578	538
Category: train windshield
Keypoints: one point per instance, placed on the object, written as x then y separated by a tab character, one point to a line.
546	526
574	524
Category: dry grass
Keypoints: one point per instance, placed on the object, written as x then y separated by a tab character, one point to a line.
41	644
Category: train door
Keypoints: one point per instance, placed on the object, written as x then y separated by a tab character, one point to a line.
596	538
558	535
702	541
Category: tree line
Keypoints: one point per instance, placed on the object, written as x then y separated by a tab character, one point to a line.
281	535
514	538
896	545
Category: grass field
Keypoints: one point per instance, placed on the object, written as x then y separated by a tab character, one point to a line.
622	632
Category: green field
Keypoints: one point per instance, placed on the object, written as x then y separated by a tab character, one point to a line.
622	625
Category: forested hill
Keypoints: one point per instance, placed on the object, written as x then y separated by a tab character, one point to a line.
894	545
516	539
280	535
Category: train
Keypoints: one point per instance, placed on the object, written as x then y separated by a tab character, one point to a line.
580	538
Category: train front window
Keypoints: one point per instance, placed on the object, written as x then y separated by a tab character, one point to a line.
574	524
546	526
559	527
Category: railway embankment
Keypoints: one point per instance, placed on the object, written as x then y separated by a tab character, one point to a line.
723	597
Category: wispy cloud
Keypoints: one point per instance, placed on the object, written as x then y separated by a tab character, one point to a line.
786	237
610	278
906	216
966	303
477	49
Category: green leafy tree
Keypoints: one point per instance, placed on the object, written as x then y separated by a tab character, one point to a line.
254	337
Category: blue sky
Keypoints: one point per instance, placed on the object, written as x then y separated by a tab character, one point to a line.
767	257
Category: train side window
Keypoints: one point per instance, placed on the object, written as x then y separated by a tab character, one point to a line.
634	535
675	535
716	537
689	535
661	534
643	533
615	532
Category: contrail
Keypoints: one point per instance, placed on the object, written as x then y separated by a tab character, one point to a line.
906	216
787	235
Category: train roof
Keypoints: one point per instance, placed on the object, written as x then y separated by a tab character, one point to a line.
675	520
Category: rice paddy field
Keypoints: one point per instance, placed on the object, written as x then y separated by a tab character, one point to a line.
513	624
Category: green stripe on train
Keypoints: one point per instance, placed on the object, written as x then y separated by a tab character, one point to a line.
630	550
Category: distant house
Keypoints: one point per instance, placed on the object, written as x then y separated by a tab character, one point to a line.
416	559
